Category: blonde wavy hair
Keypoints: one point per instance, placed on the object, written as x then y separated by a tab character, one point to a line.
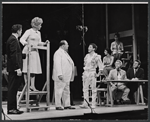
36	21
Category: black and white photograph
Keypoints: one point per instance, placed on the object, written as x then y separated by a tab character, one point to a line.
74	60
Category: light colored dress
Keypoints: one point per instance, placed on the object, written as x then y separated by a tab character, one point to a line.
33	38
89	75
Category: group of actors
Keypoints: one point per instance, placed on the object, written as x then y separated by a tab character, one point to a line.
64	69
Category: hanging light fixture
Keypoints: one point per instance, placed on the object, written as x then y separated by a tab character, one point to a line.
82	28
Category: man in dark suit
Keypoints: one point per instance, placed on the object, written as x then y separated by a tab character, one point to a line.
134	73
14	67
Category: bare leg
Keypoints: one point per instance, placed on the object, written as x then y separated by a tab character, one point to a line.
33	82
26	79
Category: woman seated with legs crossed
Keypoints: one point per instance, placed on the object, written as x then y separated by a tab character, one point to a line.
107	61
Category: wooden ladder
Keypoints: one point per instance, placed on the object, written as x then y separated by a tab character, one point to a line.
45	89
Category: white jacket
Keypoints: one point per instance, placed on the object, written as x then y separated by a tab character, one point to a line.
63	65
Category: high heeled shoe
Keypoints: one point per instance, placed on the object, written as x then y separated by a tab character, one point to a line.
33	89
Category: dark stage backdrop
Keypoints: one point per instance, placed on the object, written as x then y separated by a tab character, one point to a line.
60	21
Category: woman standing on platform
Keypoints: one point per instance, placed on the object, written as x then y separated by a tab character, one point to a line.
107	61
32	36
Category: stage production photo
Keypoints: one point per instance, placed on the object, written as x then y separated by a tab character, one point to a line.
74	60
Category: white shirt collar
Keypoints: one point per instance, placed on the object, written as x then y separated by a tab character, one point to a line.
15	35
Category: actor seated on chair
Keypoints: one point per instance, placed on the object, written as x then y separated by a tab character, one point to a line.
107	61
119	74
134	73
117	48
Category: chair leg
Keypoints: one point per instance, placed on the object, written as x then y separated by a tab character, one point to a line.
53	99
99	98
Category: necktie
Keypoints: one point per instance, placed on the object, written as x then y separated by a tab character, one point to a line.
117	46
135	70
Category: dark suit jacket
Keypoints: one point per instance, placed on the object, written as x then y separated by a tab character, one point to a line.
139	74
14	54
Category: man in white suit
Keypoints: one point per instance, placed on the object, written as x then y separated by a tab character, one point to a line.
63	73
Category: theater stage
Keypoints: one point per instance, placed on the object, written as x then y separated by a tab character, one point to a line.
119	112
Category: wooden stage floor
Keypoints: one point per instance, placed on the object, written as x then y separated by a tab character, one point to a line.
77	113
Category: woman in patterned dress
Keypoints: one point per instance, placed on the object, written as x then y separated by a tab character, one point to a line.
116	48
32	36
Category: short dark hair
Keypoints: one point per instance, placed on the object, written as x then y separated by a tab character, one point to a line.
117	34
15	28
108	50
139	62
62	42
94	46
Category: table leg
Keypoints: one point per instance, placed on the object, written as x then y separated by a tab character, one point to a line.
137	101
141	94
107	94
110	94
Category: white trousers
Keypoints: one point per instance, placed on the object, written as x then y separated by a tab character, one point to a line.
124	89
62	93
89	80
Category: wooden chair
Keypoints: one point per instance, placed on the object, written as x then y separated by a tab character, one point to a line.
101	90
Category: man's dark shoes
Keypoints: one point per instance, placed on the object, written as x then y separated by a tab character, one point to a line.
121	101
126	102
69	107
133	102
72	104
59	108
116	102
14	111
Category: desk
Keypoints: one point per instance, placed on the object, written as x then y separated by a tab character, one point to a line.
139	91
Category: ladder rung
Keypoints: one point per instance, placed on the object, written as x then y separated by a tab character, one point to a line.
37	92
102	89
40	47
102	81
34	92
30	101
